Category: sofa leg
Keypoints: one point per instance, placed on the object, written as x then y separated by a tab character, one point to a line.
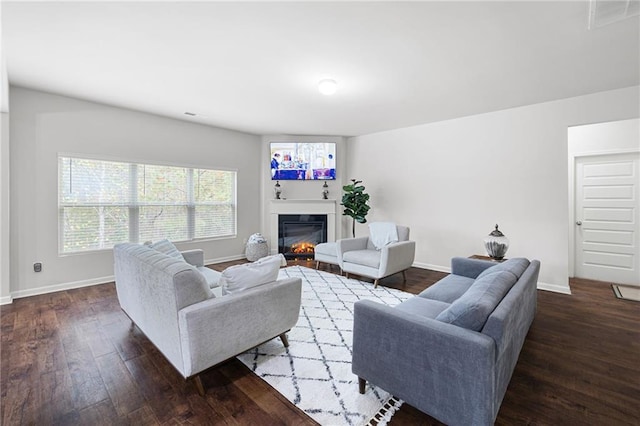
284	339
404	276
361	384
199	387
375	283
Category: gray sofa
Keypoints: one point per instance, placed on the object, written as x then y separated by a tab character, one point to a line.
173	305
451	350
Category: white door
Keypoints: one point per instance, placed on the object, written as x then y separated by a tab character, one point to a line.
607	218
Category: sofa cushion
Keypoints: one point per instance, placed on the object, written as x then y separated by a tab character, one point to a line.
190	287
448	289
473	308
517	266
165	246
423	307
369	258
237	278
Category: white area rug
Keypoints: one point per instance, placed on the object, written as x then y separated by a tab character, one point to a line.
314	372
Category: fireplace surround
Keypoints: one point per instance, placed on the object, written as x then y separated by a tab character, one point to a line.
300	207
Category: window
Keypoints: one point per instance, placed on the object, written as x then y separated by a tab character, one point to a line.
102	203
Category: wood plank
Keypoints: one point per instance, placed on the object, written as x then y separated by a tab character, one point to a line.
101	414
87	385
122	389
71	358
157	391
55	402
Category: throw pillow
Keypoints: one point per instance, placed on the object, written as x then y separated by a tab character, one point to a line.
472	309
190	287
165	246
237	278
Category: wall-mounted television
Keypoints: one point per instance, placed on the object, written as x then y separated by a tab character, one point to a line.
303	160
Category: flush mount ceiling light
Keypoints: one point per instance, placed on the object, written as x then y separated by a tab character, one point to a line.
327	86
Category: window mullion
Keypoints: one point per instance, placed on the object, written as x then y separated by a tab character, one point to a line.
134	208
191	209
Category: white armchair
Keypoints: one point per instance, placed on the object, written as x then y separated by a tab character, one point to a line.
359	256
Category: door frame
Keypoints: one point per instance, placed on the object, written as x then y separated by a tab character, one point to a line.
573	158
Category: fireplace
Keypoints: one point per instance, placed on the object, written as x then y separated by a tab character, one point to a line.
298	234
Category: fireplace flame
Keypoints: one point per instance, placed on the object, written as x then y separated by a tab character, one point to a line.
303	248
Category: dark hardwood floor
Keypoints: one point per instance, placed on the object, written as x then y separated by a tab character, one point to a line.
72	358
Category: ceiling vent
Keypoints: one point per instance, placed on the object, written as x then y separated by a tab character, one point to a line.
605	12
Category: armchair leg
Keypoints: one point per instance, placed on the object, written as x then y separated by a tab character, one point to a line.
284	339
317	264
375	283
199	387
361	384
404	276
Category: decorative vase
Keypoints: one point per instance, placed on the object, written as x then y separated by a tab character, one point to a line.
325	191
277	190
496	244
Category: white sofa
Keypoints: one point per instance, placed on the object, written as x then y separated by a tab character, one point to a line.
173	305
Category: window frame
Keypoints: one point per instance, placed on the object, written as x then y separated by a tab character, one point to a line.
134	206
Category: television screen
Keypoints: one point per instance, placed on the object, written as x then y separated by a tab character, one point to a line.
303	160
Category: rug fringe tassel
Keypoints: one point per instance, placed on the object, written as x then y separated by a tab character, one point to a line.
384	414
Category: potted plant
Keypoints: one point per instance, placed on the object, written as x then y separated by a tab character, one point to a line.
355	205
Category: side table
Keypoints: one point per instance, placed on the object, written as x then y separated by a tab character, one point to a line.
491	259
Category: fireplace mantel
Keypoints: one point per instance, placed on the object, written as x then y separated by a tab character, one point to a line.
301	206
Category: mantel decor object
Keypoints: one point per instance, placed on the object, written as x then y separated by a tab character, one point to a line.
325	191
496	244
277	190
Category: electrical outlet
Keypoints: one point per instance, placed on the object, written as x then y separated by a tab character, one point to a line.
37	267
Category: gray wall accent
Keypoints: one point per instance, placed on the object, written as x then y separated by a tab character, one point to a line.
43	125
452	181
5	257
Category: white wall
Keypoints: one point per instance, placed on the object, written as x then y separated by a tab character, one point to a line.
43	125
615	137
452	181
5	292
302	190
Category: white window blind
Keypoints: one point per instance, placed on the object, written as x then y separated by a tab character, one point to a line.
102	203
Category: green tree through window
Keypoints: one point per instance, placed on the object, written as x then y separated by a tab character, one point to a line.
102	203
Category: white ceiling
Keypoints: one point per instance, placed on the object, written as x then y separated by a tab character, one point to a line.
254	67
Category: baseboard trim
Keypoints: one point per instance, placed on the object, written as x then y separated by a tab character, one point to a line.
432	267
86	283
555	288
61	287
225	259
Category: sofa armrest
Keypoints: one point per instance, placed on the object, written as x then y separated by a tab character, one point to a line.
217	329
397	257
437	367
348	244
469	268
194	257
